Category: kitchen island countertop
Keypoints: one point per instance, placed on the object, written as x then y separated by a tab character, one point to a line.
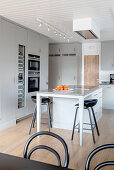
74	90
67	98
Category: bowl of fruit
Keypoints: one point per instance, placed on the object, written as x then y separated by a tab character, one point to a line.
61	87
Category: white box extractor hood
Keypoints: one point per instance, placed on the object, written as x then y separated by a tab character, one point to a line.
86	28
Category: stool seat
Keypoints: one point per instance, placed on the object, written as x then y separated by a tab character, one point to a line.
44	99
89	103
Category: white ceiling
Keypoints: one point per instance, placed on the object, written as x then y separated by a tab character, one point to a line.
60	14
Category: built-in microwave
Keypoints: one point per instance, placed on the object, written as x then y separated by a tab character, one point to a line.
33	65
33	62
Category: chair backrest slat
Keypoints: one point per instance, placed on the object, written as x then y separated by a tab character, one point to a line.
48	148
98	149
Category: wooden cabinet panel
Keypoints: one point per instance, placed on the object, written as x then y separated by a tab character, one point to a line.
91	70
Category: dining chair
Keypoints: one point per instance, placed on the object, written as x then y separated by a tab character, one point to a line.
27	154
98	149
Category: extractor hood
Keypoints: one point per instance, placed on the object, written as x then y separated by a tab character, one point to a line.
86	28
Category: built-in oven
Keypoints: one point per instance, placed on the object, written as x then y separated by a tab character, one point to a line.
33	84
33	72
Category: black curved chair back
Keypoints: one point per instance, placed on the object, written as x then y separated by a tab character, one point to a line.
99	166
28	154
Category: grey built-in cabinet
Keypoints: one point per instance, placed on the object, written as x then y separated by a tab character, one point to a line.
107	55
65	64
11	35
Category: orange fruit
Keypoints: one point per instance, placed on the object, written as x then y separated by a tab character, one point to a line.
61	86
65	88
56	88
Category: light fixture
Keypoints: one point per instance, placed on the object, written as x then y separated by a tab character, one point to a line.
48	28
56	31
40	24
113	9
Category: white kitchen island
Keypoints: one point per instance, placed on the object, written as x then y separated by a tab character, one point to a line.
64	106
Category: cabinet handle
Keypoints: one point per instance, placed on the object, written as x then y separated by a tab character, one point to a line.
95	94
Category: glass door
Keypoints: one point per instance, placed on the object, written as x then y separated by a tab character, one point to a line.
21	76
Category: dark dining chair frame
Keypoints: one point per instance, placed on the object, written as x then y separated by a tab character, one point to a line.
27	155
98	149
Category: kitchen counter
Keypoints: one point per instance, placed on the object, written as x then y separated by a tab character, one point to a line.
105	84
64	105
73	91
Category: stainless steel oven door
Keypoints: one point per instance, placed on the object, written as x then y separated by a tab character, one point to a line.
33	84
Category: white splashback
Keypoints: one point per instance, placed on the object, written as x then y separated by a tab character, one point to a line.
105	75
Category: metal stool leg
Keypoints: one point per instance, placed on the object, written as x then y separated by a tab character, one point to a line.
35	113
91	126
95	122
33	120
78	128
74	123
48	116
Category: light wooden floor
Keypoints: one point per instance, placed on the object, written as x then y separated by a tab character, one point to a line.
12	141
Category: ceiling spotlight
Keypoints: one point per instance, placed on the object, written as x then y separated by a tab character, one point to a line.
40	24
55	31
48	28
